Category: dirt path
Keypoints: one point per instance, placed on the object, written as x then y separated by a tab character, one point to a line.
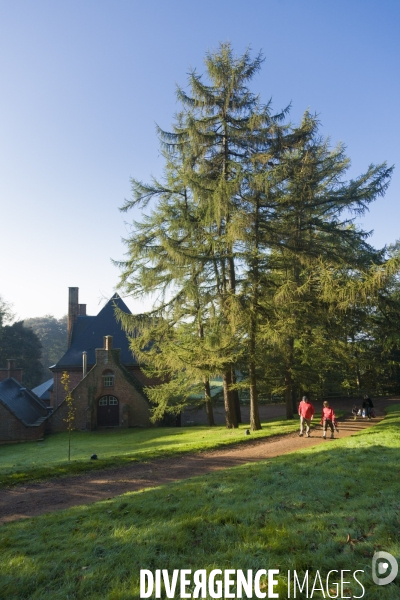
35	499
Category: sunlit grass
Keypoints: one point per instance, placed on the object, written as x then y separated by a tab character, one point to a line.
29	461
326	507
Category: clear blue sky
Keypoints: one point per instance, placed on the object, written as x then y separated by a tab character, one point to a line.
84	82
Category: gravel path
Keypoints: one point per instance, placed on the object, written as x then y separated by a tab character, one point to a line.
38	498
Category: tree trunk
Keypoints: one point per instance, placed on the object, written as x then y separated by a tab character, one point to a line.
294	399
288	394
255	422
230	412
358	378
289	380
207	391
236	400
207	397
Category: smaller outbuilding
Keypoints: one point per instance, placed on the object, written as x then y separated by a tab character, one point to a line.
22	414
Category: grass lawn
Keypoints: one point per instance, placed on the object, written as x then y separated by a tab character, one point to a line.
328	507
20	463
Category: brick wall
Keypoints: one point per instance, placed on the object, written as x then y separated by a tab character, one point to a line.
12	430
57	396
56	422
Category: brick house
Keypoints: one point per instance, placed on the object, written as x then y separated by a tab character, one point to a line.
105	378
106	381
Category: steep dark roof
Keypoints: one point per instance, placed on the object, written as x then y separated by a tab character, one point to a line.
79	326
91	337
43	390
133	380
21	401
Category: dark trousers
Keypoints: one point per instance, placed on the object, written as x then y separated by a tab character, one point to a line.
328	423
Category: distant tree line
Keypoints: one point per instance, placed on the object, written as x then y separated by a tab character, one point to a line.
251	258
52	333
35	344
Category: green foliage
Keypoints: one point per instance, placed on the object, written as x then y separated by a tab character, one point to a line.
314	249
18	341
6	314
250	254
23	345
52	334
185	251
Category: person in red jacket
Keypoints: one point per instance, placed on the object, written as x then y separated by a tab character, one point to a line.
306	412
328	420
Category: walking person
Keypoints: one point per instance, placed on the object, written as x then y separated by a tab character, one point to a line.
306	412
368	406
328	420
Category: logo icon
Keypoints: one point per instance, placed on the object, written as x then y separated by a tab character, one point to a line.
380	566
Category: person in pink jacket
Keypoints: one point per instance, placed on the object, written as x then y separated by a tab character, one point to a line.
306	412
328	420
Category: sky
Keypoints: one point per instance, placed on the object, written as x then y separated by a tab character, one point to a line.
83	84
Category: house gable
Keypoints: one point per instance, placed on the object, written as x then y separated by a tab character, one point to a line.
107	384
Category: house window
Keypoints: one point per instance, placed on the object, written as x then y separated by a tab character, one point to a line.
108	378
108	401
108	381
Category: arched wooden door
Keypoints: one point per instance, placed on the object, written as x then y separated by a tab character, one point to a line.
108	411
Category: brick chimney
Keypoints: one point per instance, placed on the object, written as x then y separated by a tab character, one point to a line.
73	310
104	355
12	370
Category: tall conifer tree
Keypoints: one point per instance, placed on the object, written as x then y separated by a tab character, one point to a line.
314	230
251	220
221	127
